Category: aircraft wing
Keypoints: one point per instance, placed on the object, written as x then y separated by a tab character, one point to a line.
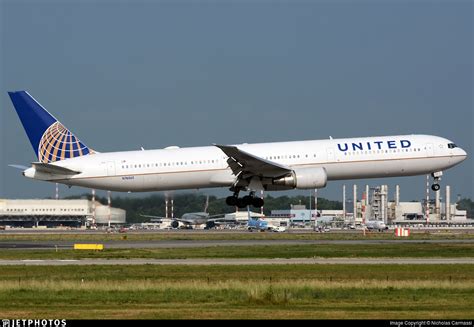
186	221
220	218
155	217
246	165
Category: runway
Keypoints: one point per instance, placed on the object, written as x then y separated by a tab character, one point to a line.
36	245
39	245
242	262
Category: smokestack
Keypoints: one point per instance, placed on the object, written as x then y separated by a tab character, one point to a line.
108	204
344	202
367	201
172	208
437	211
363	206
354	196
427	205
315	204
397	195
93	207
383	203
448	203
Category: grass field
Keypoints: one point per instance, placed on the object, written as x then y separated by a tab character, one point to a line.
401	250
240	292
283	291
244	235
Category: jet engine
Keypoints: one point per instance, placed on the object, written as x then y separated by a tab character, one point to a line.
303	178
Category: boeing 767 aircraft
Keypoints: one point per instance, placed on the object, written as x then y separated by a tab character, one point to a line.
63	158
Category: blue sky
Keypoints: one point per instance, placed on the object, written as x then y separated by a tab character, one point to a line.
126	74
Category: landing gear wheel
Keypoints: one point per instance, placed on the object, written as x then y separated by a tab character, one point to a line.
247	200
257	202
231	201
241	203
435	187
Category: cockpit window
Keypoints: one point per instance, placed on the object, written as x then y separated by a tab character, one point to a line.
452	145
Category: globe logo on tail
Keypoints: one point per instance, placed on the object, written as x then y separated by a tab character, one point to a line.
58	143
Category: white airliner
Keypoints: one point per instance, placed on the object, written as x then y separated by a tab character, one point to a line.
375	225
193	218
63	158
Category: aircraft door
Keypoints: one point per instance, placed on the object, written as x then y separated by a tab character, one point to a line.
110	168
429	149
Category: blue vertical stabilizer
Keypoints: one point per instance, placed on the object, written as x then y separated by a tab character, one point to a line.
51	141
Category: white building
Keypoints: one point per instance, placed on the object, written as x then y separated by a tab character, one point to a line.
242	216
38	212
299	214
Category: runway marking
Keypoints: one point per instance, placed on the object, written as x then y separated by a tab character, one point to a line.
47	245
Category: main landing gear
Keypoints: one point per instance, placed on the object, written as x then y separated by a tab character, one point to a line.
436	178
247	200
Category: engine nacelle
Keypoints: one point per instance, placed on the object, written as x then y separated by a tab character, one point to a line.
304	178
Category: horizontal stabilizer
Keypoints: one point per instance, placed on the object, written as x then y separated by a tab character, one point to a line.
21	167
53	169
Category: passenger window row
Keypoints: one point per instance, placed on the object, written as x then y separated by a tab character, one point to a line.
170	164
381	151
290	156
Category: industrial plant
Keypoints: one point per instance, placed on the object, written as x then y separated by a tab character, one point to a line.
373	205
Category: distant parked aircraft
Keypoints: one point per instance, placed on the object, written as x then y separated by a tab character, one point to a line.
193	218
257	224
376	225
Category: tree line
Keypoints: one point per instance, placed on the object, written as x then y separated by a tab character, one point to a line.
468	205
183	203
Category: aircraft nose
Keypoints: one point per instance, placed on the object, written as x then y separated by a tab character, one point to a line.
462	154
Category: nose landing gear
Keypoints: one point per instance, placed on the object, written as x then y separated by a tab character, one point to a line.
435	187
436	178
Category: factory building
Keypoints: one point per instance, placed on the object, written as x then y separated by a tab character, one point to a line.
299	214
374	205
55	213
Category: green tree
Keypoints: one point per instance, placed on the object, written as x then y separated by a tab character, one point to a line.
190	202
467	204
